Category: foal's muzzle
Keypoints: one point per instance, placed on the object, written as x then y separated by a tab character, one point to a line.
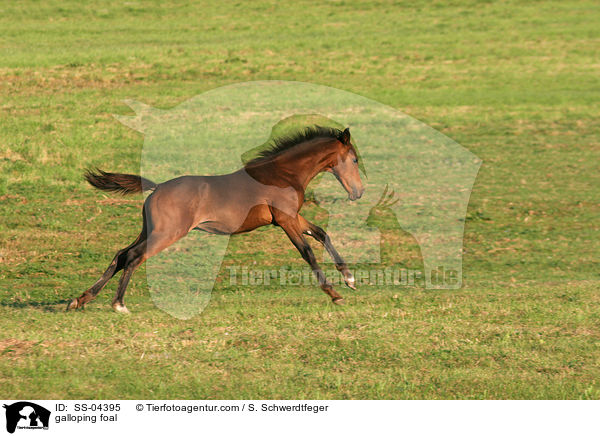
356	193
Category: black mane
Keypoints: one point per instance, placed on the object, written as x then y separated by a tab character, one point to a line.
283	143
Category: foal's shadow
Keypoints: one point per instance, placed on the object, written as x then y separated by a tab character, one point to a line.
46	306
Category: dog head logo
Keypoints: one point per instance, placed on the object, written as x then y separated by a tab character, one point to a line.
26	415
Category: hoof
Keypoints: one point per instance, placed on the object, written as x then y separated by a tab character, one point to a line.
350	282
74	304
120	308
339	301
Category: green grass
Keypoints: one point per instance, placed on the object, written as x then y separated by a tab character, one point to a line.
516	83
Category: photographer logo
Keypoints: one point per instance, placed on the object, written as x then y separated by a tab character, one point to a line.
24	415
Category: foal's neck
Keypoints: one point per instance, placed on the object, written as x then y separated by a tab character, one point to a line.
300	164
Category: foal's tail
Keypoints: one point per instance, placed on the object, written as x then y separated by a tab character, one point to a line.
114	182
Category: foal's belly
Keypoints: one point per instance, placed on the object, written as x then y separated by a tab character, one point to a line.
229	224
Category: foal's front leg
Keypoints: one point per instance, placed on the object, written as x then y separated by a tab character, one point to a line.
293	229
321	236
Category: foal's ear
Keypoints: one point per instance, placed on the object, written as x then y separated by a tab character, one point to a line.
345	137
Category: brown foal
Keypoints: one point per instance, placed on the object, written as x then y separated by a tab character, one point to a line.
267	190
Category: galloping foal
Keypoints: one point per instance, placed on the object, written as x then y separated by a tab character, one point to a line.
267	190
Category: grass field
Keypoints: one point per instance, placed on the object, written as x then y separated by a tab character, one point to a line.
517	83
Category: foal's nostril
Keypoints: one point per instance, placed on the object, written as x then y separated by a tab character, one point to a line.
357	193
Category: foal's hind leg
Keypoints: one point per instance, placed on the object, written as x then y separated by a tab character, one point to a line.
115	266
321	236
135	257
155	243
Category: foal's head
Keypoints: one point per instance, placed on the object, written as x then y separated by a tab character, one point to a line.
345	167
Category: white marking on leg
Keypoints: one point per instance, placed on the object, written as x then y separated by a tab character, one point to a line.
120	308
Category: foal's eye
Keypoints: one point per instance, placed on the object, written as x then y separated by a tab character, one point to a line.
355	160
